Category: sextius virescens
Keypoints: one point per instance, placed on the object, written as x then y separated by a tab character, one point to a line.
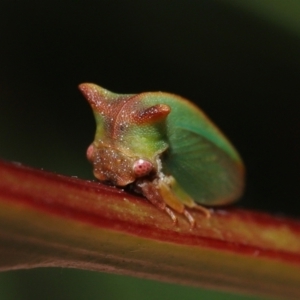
164	147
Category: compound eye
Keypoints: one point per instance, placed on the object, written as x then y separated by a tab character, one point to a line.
90	152
142	167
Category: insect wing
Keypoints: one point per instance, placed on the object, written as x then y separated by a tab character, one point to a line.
205	171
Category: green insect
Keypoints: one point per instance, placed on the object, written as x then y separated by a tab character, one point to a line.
165	148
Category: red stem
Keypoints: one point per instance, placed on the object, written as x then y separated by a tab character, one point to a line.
42	213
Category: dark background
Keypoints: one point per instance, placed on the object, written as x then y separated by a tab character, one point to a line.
241	67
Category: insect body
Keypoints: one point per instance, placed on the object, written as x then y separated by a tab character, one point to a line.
165	147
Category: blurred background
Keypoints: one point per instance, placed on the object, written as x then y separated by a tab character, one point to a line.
238	60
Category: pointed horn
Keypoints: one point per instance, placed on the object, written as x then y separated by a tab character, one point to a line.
94	94
152	114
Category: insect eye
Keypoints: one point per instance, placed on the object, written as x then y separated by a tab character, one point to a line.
142	167
90	152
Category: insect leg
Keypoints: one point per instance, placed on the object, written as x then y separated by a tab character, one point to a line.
204	210
190	218
174	202
185	198
150	191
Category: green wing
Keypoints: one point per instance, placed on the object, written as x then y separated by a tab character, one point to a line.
205	171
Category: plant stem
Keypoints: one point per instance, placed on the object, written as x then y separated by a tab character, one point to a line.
53	220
